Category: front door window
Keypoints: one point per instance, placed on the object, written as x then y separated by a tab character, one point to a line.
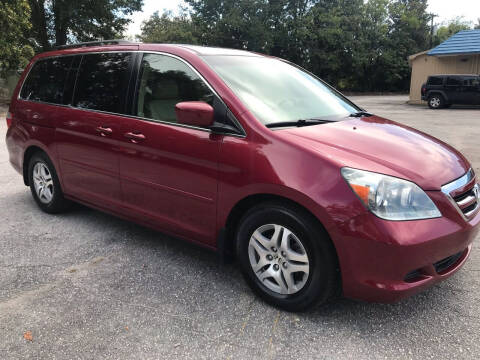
165	82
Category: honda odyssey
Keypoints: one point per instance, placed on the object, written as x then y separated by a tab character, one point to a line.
248	155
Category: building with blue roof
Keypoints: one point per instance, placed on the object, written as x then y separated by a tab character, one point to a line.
460	54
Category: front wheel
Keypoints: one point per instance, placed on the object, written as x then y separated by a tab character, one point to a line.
286	257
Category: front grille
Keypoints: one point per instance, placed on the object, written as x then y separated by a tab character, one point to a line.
445	264
464	193
468	202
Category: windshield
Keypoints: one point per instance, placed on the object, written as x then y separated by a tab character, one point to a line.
275	91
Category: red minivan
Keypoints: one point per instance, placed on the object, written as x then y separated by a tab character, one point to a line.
248	155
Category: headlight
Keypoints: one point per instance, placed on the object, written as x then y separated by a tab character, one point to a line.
390	198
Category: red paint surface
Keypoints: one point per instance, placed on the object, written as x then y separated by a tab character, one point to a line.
195	113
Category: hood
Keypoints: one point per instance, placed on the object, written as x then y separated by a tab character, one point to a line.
380	145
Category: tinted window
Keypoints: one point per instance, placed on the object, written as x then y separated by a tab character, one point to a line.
46	80
164	82
435	80
454	81
70	81
471	81
102	82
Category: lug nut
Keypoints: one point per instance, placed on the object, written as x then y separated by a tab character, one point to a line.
269	257
284	254
274	249
285	265
276	267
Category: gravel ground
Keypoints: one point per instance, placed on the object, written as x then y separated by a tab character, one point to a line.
88	285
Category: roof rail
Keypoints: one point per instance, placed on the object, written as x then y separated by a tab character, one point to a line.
93	43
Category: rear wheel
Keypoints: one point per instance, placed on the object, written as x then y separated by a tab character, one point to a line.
436	101
45	186
286	257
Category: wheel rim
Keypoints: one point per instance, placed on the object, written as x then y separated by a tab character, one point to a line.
435	102
278	259
43	182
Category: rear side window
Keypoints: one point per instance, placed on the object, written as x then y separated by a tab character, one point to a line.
454	81
46	81
471	81
102	82
435	80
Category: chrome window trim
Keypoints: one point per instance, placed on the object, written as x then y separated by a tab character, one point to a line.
237	123
457	184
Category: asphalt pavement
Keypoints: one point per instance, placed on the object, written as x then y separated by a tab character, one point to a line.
88	285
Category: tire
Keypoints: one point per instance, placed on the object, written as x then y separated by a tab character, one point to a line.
42	175
436	101
309	248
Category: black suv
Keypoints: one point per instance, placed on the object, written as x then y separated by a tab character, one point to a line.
444	90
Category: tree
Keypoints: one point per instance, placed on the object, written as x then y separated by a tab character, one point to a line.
61	21
408	34
332	38
453	27
167	28
238	24
360	45
478	25
369	61
15	51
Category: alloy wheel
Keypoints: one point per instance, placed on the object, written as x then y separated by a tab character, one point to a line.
278	259
43	182
435	102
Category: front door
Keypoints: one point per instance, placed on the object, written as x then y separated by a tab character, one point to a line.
169	171
453	89
88	134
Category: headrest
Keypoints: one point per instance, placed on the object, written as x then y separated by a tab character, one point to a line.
165	89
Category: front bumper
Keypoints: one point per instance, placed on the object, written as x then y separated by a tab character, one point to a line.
385	261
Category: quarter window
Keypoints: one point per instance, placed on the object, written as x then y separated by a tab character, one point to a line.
471	81
102	82
164	82
46	81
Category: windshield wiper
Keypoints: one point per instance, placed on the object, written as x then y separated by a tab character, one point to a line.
299	123
361	114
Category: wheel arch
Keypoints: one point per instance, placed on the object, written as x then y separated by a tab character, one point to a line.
248	202
226	249
27	155
439	92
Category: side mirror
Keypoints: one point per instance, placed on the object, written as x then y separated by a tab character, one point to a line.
194	113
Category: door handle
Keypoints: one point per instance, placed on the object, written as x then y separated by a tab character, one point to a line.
103	130
135	137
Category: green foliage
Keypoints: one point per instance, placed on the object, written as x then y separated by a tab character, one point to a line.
353	44
61	21
238	24
454	26
15	51
408	34
167	28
